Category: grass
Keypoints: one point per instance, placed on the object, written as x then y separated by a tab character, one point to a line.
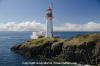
77	40
40	41
84	38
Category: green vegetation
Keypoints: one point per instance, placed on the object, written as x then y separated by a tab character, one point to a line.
79	39
41	36
56	37
40	41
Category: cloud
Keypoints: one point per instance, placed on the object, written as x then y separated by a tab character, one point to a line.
32	26
90	26
22	26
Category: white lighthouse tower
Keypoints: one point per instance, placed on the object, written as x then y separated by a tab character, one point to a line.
49	23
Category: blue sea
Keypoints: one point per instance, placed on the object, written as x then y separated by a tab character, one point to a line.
11	38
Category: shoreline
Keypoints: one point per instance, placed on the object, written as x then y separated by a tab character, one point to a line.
83	49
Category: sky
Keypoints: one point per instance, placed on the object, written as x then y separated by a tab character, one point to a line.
69	15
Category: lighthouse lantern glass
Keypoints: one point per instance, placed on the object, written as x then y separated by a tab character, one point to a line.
49	12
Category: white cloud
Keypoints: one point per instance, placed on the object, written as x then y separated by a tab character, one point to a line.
22	26
27	26
90	26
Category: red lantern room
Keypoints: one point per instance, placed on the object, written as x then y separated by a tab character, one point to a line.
49	12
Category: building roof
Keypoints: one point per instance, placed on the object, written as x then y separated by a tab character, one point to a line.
49	8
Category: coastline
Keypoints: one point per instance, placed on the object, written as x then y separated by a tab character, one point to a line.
63	49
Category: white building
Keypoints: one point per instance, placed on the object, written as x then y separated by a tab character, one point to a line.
37	34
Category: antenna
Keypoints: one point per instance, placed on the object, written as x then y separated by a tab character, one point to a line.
51	4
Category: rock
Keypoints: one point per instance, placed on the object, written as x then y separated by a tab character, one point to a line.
56	48
81	53
84	49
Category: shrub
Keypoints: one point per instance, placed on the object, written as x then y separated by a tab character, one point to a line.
41	36
56	37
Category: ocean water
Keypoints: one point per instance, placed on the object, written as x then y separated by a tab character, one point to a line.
10	38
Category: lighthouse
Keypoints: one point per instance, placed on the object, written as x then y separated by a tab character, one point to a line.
49	23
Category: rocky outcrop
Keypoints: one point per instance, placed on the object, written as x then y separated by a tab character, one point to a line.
84	49
48	49
81	54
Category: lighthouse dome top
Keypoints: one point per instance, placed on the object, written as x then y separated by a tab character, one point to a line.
49	8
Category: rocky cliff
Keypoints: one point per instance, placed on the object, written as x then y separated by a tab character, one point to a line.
84	49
